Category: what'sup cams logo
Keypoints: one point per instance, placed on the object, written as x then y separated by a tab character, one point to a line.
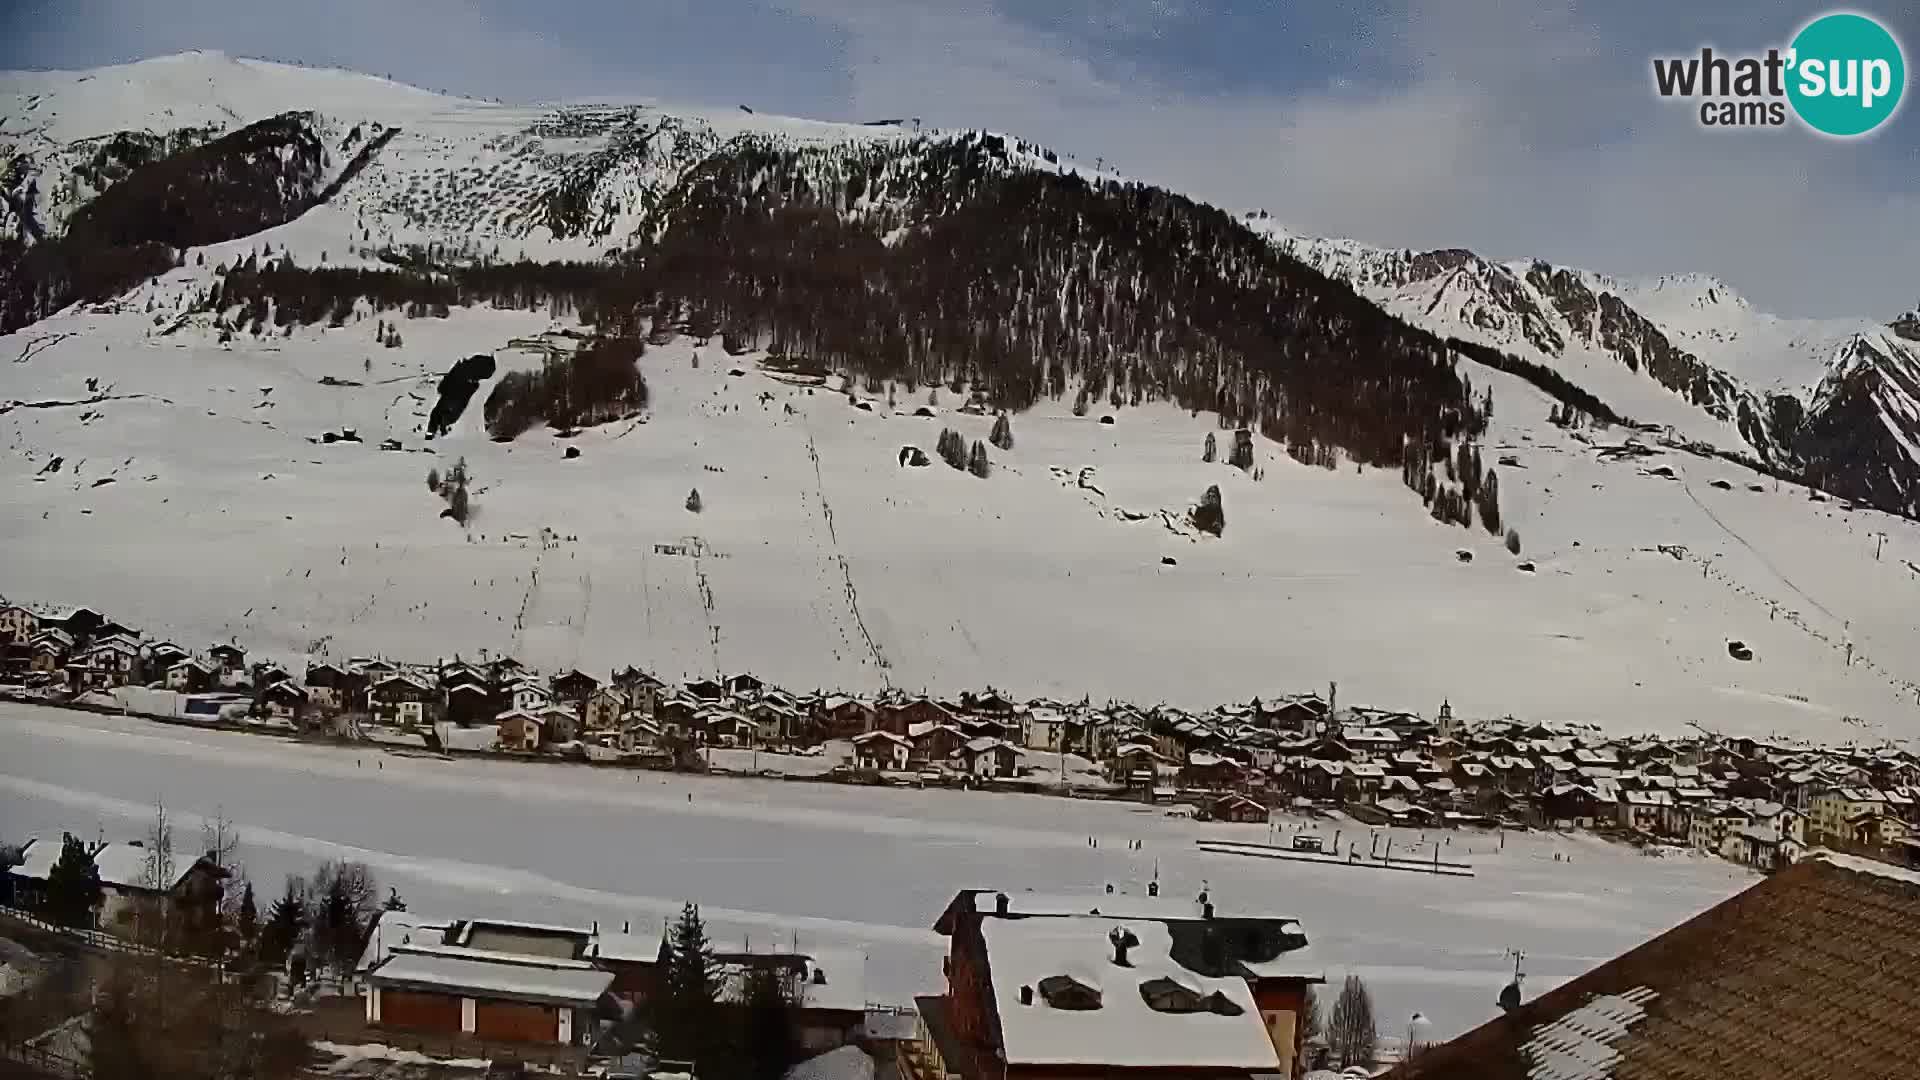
1843	76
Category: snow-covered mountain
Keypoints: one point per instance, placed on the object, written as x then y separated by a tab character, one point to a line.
1834	398
164	452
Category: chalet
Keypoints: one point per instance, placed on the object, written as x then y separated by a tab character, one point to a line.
190	676
574	687
1765	965
130	882
502	670
1237	808
469	704
1298	713
676	713
724	727
881	750
284	700
988	757
935	742
17	625
463	674
268	673
401	700
705	690
1571	806
1043	730
603	708
774	723
744	686
992	703
115	658
331	686
1834	810
561	724
527	696
518	729
643	691
228	657
1644	811
1118	986
48	653
1211	772
78	623
844	717
373	669
162	655
899	716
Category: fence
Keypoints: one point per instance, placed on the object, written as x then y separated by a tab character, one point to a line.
100	939
41	1062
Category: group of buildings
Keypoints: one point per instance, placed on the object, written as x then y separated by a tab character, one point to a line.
1035	986
1757	802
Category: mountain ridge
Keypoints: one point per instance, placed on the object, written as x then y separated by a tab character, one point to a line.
588	182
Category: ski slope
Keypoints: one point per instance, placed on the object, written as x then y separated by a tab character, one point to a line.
818	865
192	498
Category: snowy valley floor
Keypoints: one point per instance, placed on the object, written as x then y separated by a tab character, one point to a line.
831	866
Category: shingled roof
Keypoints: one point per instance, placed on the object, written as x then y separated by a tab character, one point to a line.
1812	974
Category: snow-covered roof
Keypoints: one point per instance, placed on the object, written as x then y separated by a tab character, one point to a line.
835	979
1124	1031
397	928
120	865
1111	905
629	948
552	983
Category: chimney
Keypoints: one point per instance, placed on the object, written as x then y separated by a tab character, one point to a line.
1153	888
596	926
1122	940
1000	904
1109	888
626	927
1026	995
1206	909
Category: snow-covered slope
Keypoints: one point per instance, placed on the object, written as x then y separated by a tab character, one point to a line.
191	496
183	485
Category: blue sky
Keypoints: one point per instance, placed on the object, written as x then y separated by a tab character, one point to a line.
1516	129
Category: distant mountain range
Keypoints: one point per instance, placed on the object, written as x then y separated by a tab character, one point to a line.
976	254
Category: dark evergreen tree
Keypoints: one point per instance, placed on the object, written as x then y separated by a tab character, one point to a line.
1513	541
246	921
768	1025
688	1019
1210	516
286	921
1002	436
977	462
73	885
1211	451
694	505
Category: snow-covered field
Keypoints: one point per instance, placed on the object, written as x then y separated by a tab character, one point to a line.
826	865
191	499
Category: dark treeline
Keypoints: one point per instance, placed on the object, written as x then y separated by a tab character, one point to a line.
1013	284
260	176
600	382
1549	381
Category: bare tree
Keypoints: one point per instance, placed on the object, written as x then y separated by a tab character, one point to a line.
1310	1026
1351	1034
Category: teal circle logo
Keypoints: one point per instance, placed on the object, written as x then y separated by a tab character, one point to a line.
1846	75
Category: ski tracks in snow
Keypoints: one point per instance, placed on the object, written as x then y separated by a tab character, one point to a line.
852	592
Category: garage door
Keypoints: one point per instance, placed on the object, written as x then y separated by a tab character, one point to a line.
419	1012
509	1021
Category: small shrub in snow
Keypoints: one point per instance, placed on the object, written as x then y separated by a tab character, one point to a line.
1212	451
1513	541
433	479
694	505
1002	436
